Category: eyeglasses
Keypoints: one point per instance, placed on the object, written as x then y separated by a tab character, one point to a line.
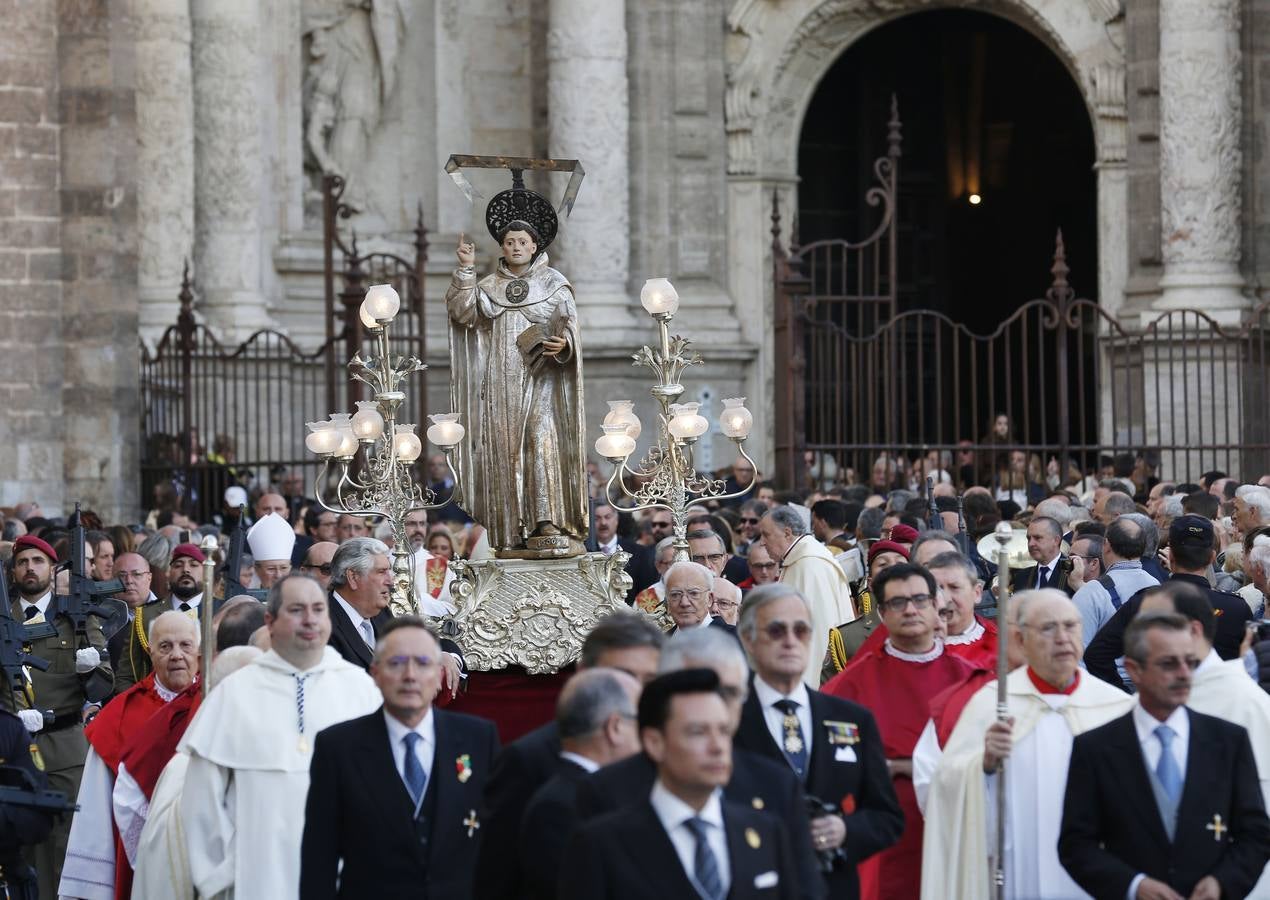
724	604
948	613
713	558
132	576
694	595
898	604
776	631
763	566
1049	630
399	663
325	568
745	521
660	526
1173	664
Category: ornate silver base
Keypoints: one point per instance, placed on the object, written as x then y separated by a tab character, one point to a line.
533	613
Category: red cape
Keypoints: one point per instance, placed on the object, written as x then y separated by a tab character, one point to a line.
946	708
149	751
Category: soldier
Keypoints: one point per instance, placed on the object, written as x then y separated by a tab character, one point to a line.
78	680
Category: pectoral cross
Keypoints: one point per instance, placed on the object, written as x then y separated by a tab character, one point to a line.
471	823
1216	827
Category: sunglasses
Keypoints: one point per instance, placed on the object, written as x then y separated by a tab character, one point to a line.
745	521
325	568
776	631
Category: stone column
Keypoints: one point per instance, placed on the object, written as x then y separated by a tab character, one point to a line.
1200	156
588	114
165	159
229	165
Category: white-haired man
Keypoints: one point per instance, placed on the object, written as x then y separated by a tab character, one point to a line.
689	595
1252	508
810	568
1050	701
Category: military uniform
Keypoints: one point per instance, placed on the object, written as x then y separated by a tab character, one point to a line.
18	824
133	661
61	744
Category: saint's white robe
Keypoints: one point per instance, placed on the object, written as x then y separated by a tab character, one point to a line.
810	568
1223	689
960	806
161	866
242	808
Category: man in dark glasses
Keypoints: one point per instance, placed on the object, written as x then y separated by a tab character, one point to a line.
832	745
317	562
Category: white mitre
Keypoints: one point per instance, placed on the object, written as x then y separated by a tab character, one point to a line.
271	538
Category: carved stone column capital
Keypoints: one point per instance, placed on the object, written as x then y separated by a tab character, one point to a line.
1200	154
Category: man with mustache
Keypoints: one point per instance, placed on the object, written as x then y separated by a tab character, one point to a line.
77	682
96	867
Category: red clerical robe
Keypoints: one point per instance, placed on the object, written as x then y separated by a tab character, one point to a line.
979	651
946	708
110	733
898	692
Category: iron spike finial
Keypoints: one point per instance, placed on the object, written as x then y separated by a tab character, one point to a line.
1060	269
894	134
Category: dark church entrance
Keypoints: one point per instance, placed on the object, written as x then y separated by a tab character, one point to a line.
998	153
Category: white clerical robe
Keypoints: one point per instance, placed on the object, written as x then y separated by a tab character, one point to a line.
1223	689
248	776
810	568
90	874
960	824
161	866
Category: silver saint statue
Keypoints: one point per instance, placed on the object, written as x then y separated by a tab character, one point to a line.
516	373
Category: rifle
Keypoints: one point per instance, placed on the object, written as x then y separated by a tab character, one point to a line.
934	520
15	646
86	597
27	793
234	563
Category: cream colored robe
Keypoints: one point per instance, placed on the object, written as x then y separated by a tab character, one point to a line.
956	851
242	808
161	869
810	568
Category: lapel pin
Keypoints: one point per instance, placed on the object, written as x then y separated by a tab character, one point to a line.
463	768
757	803
471	823
1216	827
752	838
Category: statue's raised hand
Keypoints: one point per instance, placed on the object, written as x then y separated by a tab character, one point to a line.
466	252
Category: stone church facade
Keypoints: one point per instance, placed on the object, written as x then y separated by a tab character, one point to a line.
138	134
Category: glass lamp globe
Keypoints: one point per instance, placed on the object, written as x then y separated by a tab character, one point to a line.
622	412
445	430
323	438
381	303
368	424
659	297
342	424
407	443
615	444
687	424
736	421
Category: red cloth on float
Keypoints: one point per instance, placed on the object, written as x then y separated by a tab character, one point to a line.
512	699
898	693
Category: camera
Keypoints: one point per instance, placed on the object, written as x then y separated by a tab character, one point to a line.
1261	630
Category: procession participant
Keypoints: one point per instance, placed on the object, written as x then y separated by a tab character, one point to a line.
706	548
251	745
1050	701
652	599
897	682
969	636
134	572
809	568
271	541
317	562
96	867
184	579
77	682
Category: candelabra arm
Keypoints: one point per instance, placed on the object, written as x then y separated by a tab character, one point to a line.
439	504
740	446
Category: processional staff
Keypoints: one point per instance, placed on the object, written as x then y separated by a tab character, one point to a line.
208	608
1004	534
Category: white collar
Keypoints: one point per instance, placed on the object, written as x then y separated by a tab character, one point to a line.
397	729
930	655
41	604
673	812
705	623
1145	724
1053	563
969	636
768	696
1209	661
586	763
611	542
193	601
165	695
354	616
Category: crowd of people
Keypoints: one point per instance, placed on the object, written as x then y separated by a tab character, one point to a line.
806	706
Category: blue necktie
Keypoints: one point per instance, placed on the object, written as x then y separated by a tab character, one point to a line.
707	867
416	780
793	742
1042	577
1166	769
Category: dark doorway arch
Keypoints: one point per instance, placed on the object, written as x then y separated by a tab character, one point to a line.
988	109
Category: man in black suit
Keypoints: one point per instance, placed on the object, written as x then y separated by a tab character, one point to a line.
685	839
1191	554
689	593
595	717
606	538
756	782
395	796
1045	545
621	641
360	585
643	565
832	745
1163	802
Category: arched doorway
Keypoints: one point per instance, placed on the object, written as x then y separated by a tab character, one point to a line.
998	153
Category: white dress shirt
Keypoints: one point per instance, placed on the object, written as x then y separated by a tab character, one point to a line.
585	763
768	696
609	547
1145	724
357	619
1051	567
674	814
425	750
193	602
42	604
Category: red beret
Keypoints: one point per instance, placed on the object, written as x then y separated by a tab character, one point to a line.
885	546
31	542
188	551
903	534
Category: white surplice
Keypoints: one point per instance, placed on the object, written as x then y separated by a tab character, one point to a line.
960	828
1224	689
161	867
242	808
89	871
